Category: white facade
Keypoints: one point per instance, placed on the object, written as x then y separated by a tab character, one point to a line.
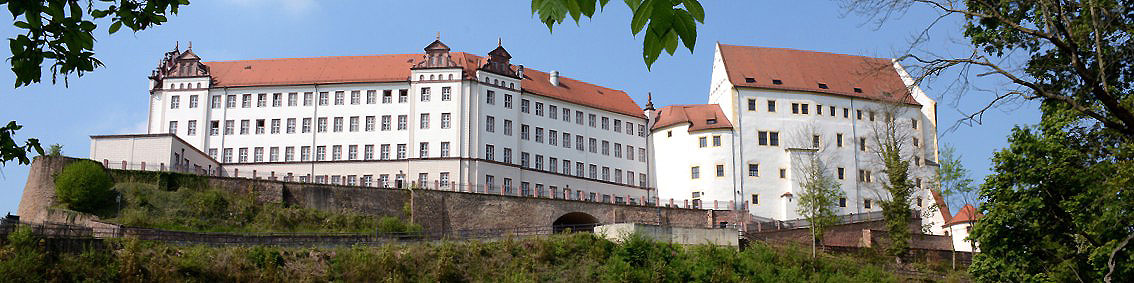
776	129
446	124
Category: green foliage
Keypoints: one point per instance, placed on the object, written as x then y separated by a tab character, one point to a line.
9	150
55	150
666	22
84	186
147	205
952	178
21	259
395	225
580	257
1058	207
63	31
890	138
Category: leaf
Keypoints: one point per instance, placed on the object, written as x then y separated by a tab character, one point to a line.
686	28
115	26
695	10
572	7
641	16
670	41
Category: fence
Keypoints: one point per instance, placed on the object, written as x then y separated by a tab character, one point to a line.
773	225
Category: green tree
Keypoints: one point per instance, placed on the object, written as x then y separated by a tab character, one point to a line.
84	186
818	200
952	178
666	22
889	137
55	150
61	33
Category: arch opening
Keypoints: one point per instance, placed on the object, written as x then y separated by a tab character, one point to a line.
575	222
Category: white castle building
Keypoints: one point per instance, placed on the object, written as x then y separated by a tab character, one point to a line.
436	120
772	110
452	120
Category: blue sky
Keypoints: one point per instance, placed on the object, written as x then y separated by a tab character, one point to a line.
113	99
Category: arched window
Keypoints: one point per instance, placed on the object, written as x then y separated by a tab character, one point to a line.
485	79
198	85
450	77
181	85
495	82
421	77
512	85
431	77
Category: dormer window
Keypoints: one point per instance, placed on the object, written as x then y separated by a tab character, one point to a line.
749	80
711	121
886	93
777	82
822	85
858	90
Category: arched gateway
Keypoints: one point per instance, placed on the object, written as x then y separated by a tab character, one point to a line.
576	221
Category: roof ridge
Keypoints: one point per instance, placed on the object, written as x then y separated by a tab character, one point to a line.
804	50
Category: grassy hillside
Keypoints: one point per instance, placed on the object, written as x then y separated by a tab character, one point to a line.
212	210
560	258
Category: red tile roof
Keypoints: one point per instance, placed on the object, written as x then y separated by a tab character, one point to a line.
697	115
942	207
968	213
396	68
800	70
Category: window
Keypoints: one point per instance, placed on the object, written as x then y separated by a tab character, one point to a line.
444	149
507	155
753	170
552	137
771	106
307	98
630	152
539	108
425	94
567	140
507	127
578	117
871	115
243	155
525	160
822	85
368	152
172	127
720	170
605	123
755	199
230	101
593	145
387	96
566	114
193	102
277	99
815	141
488	152
916	142
862	144
291	125
424	121
401	151
192	131
605	148
858	114
289	153
777	82
371	96
507	101
539	135
525	106
446	120
174	101
305	153
832	111
839	140
703	141
403	120
336	152
818	109
913	122
842	202
579	143
244	126
716	140
846	113
866	203
539	162
552	112
795	108
591	120
841	172
215	102
338	127
783	173
423	150
355	97
695	172
322	125
276	126
525	132
384	152
751	104
617	150
262	100
340	98
228	155
214	127
803	108
386	122
446	93
593	172
641	154
403	95
352	152
369	123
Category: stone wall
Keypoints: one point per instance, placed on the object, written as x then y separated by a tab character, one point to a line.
435	210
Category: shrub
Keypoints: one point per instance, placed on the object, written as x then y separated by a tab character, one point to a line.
394	225
84	186
55	150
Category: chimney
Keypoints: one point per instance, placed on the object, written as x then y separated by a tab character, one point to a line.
555	78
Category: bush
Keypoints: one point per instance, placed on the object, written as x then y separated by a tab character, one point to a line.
84	186
394	225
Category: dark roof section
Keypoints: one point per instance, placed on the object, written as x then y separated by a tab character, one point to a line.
699	117
799	70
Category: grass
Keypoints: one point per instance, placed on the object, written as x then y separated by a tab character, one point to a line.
560	258
212	210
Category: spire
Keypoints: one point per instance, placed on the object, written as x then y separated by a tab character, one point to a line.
438	35
499	42
177	45
650	101
190	45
